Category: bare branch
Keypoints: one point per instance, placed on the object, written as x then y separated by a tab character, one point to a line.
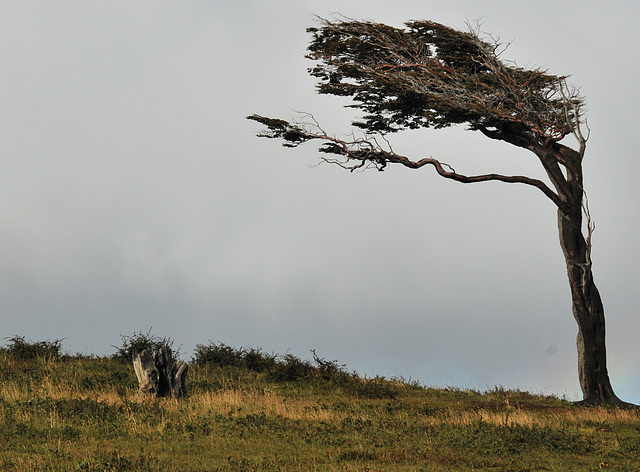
451	174
573	104
591	227
366	152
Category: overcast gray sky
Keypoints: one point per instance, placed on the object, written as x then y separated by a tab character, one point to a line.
135	194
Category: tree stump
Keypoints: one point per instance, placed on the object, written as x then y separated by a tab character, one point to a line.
159	375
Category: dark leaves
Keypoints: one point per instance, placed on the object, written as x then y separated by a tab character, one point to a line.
292	135
431	75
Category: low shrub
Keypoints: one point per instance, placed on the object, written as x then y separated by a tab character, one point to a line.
290	368
21	349
218	354
221	355
331	370
280	368
140	341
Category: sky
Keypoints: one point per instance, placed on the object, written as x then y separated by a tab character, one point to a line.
135	194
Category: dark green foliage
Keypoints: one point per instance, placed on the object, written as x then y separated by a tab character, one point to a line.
21	349
491	439
13	429
330	370
287	368
275	128
430	75
217	354
378	387
281	368
78	409
140	341
115	462
98	374
291	368
221	355
427	75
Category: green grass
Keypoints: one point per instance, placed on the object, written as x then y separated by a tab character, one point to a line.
79	413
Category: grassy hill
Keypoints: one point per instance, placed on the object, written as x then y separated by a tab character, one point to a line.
249	411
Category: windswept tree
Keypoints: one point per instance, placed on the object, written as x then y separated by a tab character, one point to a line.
428	75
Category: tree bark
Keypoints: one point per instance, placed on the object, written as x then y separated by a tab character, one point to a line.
587	306
159	375
588	312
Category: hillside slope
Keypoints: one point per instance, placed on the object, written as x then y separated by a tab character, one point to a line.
255	412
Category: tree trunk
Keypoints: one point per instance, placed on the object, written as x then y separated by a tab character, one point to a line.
588	312
158	374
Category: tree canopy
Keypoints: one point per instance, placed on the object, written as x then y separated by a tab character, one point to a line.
428	75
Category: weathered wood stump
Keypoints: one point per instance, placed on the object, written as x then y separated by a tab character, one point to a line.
159	375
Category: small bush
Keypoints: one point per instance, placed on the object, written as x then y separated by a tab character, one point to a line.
375	388
258	361
290	368
26	350
281	368
221	355
218	354
331	370
140	341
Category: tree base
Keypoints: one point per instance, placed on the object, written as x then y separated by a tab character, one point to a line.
613	402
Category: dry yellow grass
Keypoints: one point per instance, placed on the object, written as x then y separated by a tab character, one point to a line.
77	415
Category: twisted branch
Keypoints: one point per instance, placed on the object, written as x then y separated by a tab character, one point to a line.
367	152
